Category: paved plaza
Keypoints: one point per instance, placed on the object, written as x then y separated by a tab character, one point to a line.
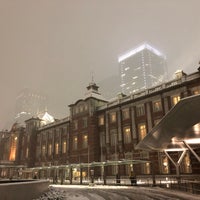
75	192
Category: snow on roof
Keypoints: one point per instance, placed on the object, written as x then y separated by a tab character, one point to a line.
46	118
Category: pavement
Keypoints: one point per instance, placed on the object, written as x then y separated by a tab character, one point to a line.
102	192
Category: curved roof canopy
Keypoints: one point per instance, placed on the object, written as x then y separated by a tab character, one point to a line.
181	123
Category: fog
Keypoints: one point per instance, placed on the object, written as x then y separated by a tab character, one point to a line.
55	46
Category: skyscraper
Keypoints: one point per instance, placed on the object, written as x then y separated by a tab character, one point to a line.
29	103
142	68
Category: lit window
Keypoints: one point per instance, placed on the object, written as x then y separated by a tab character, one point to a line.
164	165
64	147
186	164
85	141
113	117
27	152
56	148
101	120
13	148
157	106
75	142
125	113
43	150
195	90
134	77
142	131
50	150
127	135
175	100
140	110
123	75
146	168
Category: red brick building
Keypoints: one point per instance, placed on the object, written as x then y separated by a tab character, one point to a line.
99	137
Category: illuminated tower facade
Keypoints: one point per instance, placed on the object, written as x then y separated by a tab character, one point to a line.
142	68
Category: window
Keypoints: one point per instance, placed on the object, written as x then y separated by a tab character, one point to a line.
85	141
38	152
75	124
144	155
140	110
44	136
146	168
142	131
76	110
27	152
125	113
101	120
186	164
127	135
50	135
195	90
175	100
50	150
164	164
113	137
75	142
64	147
43	150
85	107
85	122
56	148
157	106
102	139
113	117
81	108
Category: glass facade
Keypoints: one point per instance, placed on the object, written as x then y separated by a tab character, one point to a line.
143	68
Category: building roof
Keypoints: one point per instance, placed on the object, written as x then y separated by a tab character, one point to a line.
138	49
179	124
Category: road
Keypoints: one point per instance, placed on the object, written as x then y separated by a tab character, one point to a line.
71	192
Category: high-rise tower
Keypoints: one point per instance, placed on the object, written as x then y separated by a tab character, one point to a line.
142	68
29	103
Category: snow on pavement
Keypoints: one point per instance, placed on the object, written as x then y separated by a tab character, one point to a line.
102	192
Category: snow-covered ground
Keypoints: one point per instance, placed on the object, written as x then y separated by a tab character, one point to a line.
101	192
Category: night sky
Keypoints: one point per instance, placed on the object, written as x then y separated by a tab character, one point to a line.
54	46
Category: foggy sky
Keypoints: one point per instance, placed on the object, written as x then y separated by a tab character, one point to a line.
55	45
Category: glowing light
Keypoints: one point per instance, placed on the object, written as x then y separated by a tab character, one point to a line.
138	49
193	141
176	149
196	129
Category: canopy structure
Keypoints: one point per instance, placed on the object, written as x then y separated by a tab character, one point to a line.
95	164
179	126
178	130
